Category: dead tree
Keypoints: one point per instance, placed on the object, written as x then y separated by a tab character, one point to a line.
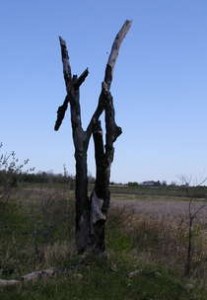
91	211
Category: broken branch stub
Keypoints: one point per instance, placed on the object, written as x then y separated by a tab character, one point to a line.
61	114
81	79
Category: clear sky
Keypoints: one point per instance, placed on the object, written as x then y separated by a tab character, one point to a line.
159	84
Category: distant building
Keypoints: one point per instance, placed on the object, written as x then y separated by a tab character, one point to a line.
151	183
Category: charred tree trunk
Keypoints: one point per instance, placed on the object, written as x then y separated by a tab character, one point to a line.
100	197
91	213
81	146
81	190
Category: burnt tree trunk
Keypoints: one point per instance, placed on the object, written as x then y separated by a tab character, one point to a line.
81	190
91	212
100	197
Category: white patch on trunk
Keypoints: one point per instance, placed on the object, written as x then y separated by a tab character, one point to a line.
96	208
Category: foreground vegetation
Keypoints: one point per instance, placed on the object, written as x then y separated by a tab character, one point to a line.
145	259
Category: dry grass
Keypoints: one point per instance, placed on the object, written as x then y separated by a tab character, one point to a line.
159	236
36	231
146	242
57	253
157	231
158	207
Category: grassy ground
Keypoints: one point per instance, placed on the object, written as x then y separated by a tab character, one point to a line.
145	258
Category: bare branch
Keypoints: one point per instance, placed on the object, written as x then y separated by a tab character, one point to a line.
97	113
81	79
202	181
115	51
72	85
198	210
108	75
61	113
66	65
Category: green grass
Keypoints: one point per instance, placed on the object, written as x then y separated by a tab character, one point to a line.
34	234
99	279
143	261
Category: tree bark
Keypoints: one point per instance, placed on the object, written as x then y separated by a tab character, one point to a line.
100	197
81	191
91	213
79	139
108	77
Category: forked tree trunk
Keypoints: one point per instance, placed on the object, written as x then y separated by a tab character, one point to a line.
91	212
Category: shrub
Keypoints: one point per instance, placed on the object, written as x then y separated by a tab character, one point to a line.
10	169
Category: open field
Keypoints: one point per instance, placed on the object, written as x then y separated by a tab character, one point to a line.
160	207
146	237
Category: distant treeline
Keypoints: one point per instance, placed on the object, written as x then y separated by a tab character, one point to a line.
161	189
39	177
44	177
144	188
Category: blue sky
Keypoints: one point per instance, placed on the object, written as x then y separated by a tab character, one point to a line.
159	85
